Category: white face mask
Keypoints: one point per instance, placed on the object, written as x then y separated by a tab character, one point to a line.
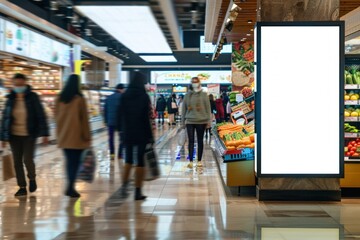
196	87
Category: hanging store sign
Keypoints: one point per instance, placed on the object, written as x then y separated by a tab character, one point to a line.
184	77
24	42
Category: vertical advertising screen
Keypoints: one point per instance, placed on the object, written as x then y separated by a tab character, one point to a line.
299	92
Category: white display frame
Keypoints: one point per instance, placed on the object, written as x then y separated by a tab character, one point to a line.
282	151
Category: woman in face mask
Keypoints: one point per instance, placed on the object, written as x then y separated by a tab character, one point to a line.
196	113
23	121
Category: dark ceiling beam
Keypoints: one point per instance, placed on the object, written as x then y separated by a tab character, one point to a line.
110	2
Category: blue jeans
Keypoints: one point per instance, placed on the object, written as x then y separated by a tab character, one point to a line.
161	116
111	132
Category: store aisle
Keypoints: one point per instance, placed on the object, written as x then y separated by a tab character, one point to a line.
182	204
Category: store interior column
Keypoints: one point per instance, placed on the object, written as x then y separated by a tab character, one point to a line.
298	188
114	74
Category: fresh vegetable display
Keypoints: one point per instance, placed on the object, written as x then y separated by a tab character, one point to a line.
350	129
352	75
246	92
236	136
353	148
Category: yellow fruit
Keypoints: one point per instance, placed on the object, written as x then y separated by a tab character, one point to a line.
354	98
354	114
347	97
347	114
357	95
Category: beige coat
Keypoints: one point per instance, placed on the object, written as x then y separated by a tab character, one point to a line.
72	124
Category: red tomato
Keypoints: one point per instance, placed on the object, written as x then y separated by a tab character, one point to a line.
353	149
356	155
347	154
351	153
353	142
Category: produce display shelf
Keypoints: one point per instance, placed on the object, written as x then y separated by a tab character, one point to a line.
352	159
245	154
352	119
352	102
352	86
351	135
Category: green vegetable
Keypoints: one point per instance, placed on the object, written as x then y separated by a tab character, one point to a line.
349	79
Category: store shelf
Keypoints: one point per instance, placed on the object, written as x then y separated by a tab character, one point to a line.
245	154
352	102
352	119
352	86
351	159
351	135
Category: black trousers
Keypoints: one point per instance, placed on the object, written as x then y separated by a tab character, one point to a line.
73	158
129	158
23	150
200	130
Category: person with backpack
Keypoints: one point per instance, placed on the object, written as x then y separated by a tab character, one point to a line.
23	121
110	116
73	129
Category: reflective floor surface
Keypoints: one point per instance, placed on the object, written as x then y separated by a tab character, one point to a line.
182	204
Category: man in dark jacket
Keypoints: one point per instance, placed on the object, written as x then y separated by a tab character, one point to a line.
23	121
110	114
160	108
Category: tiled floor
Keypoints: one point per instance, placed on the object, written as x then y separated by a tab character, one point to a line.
182	204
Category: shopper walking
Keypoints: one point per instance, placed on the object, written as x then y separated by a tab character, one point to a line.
160	108
134	121
212	114
110	115
23	121
172	109
73	130
196	117
225	99
220	111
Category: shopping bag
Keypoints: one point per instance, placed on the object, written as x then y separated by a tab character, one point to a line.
8	166
182	137
87	166
151	164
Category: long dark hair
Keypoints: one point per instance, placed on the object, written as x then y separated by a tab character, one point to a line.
71	89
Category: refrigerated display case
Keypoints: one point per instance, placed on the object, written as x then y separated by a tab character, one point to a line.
351	179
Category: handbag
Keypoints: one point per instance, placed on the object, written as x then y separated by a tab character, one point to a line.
151	164
87	166
8	166
182	137
173	105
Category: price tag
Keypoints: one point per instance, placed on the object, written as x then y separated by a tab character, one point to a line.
346	158
351	119
351	86
351	102
239	98
351	135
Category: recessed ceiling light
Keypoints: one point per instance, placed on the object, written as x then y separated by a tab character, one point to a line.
251	30
248	34
250	21
123	22
158	58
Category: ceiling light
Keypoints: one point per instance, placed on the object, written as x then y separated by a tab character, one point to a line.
60	14
252	30
248	34
250	21
229	26
54	6
234	6
37	0
88	32
124	22
158	58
